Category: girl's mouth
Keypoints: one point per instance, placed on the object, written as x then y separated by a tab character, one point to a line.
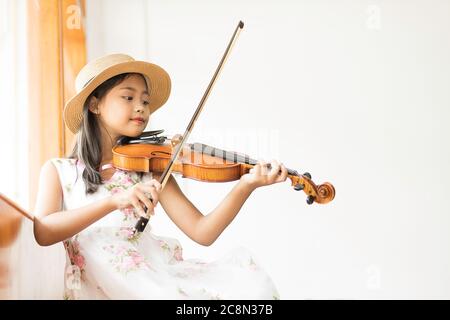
137	121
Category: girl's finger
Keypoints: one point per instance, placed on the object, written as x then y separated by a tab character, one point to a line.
284	173
155	183
257	168
155	195
148	204
273	174
263	165
144	199
152	192
137	206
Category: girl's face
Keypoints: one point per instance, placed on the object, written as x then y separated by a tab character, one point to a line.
123	103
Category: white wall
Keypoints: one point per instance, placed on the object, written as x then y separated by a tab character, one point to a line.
355	92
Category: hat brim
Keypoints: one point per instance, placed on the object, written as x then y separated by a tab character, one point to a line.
158	81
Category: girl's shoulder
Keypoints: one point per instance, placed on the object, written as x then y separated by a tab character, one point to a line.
67	167
66	162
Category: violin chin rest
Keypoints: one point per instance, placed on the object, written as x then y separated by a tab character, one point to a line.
142	137
150	133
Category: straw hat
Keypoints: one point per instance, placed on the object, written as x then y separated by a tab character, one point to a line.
96	72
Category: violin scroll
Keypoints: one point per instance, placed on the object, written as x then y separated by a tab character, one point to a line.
321	194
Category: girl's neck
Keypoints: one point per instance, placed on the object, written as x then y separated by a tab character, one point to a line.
107	143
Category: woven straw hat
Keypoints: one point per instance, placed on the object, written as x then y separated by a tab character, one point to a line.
96	72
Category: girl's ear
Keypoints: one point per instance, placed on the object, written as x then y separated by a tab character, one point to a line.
93	105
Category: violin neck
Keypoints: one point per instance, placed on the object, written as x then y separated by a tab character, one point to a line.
229	155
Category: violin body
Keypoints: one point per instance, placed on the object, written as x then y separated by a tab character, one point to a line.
190	164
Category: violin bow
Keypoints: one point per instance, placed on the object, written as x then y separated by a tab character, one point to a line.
141	224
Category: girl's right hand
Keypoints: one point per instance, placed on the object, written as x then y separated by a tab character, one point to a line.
138	196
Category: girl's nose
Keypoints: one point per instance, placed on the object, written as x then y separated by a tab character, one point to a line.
139	107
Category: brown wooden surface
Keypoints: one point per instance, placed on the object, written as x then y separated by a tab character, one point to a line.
11	215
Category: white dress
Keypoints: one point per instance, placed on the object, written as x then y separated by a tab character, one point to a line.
105	260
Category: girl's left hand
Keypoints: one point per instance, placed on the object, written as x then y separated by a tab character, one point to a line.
260	175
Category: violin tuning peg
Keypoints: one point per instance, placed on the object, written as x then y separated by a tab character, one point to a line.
310	199
299	187
307	174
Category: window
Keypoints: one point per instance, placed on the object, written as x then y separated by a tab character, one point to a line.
14	105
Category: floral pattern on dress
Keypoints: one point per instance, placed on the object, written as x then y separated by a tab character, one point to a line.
120	181
129	234
164	245
126	259
73	251
176	252
75	270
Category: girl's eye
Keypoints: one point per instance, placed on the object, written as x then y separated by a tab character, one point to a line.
146	103
128	98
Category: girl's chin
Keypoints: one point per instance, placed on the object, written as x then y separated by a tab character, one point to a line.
134	132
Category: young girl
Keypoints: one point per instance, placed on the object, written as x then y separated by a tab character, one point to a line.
93	208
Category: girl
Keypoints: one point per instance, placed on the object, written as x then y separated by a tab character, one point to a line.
83	202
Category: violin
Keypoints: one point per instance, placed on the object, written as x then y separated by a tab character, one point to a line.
150	152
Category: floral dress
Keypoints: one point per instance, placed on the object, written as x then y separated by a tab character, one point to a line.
107	261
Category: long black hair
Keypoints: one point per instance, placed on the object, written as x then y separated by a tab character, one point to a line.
88	146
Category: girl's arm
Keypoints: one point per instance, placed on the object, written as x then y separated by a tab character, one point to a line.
52	225
206	229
